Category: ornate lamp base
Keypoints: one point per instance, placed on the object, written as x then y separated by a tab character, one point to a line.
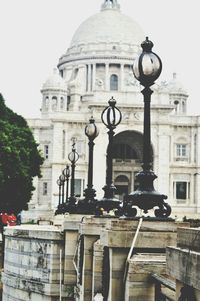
109	202
146	197
88	204
70	205
108	205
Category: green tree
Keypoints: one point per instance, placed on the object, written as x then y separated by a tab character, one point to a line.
20	160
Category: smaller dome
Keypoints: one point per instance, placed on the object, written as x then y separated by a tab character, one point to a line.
174	86
55	82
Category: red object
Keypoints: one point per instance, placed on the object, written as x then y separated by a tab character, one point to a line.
4	218
12	220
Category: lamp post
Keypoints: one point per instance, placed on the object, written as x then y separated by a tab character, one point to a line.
111	117
66	173
62	180
147	69
58	210
73	157
87	205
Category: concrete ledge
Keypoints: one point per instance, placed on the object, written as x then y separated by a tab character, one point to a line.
35	231
184	265
147	225
189	238
124	239
145	264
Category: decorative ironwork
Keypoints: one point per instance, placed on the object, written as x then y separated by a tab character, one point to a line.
73	158
59	208
111	117
147	69
87	205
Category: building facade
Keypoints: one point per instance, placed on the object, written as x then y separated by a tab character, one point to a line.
97	66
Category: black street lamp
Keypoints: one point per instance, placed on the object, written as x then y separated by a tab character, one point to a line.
58	210
111	117
67	174
73	157
147	69
87	205
62	180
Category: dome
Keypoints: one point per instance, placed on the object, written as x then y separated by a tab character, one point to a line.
108	26
55	82
175	86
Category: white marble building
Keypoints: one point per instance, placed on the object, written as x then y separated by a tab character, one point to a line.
96	66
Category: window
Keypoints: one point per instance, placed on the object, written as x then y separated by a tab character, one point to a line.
124	151
182	190
45	185
46	151
46	103
181	150
62	103
114	82
68	102
77	187
54	103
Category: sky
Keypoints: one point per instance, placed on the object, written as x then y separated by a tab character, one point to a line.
35	33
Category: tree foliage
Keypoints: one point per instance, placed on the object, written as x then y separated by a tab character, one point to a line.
20	160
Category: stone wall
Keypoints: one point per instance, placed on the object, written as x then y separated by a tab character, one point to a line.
32	263
183	263
86	258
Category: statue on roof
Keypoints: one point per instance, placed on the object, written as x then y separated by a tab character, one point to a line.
110	4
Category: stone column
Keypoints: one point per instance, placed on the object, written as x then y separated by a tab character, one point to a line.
90	230
122	77
94	77
89	77
197	191
97	270
71	227
107	80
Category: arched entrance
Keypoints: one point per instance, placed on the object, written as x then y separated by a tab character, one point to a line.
122	184
127	159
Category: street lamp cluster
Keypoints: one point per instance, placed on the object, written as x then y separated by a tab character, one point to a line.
67	203
146	69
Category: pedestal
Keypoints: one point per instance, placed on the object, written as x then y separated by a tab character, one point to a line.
183	262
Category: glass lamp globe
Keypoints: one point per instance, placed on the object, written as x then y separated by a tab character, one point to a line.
148	66
62	178
111	115
59	182
91	130
73	156
66	172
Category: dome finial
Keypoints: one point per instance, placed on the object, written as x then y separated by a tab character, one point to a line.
110	4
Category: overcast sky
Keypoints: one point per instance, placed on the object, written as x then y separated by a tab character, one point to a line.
35	33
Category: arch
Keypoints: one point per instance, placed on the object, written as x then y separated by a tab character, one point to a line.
62	103
54	103
46	103
128	145
122	184
113	82
124	151
121	179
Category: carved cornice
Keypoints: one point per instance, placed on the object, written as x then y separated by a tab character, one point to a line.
94	57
